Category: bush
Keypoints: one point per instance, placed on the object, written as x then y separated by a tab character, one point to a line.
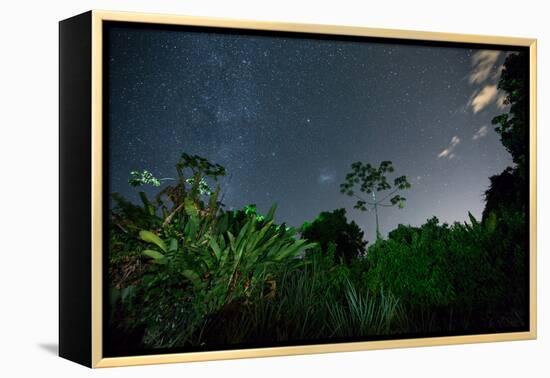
456	276
333	228
205	268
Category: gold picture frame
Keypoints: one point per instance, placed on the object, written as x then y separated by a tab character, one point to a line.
96	19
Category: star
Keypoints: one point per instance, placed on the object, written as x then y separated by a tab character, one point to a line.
249	104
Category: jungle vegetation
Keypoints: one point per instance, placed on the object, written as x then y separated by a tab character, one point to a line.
184	272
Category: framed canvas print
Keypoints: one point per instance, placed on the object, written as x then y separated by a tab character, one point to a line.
235	189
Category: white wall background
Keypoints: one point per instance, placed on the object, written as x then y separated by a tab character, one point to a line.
28	201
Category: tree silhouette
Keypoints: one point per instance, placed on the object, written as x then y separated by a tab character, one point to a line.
373	181
508	190
333	228
513	126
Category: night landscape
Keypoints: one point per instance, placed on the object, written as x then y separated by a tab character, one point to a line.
285	189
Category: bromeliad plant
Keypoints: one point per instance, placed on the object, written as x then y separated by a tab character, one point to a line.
219	266
196	260
166	212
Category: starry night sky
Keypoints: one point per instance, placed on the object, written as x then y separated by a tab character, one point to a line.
287	116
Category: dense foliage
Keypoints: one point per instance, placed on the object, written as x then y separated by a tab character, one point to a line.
513	125
332	230
456	277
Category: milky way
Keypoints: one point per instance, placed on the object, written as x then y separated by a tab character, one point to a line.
287	115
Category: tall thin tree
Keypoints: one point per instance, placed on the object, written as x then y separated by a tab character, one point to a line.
373	183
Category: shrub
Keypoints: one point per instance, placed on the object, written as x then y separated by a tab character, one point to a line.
457	274
204	268
333	228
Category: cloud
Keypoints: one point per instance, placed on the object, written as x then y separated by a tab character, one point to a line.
448	152
324	177
327	175
484	77
485	96
483	63
482	132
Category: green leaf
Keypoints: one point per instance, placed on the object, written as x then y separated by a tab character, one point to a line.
473	219
192	276
127	292
190	207
146	203
192	227
155	255
231	241
173	245
223	223
271	213
150	237
216	249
